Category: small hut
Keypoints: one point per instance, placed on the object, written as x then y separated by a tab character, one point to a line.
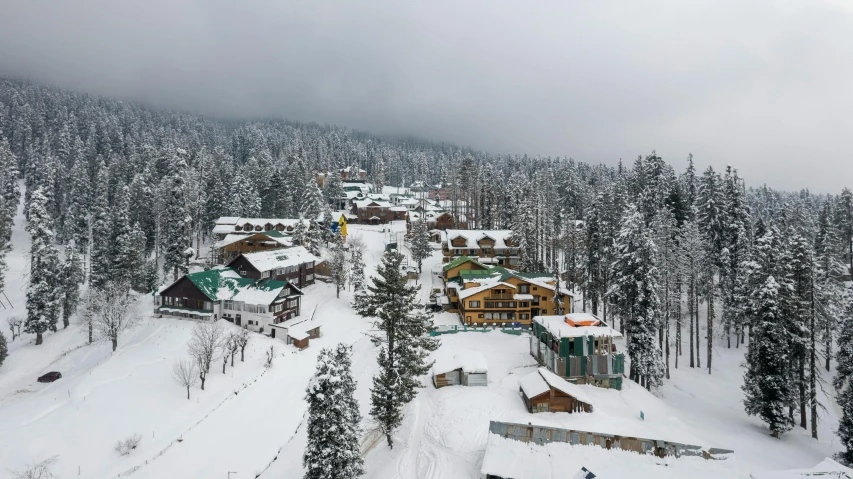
468	369
298	333
544	391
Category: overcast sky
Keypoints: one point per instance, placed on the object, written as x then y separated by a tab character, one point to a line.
766	86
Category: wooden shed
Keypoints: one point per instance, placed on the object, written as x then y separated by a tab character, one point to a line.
297	333
466	369
544	391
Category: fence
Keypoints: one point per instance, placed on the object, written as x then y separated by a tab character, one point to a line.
447	329
544	435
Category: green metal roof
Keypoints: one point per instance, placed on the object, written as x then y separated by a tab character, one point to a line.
211	281
462	260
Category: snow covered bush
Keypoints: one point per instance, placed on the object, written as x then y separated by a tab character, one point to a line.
42	469
270	356
126	446
4	351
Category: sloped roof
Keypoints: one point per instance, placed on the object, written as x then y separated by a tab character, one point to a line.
281	258
472	237
467	361
462	260
564	386
274	235
465	293
533	385
227	284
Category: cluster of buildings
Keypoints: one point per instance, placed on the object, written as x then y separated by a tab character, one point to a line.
258	290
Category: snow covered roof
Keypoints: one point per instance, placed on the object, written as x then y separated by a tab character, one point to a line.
281	258
827	469
298	328
462	260
506	457
229	224
564	386
375	203
264	292
227	284
472	237
478	289
557	326
275	236
533	385
469	362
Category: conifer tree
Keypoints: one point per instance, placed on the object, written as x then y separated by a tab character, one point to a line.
420	248
338	265
42	300
71	277
176	221
300	232
764	387
404	346
357	279
101	260
332	450
314	237
636	286
124	255
843	380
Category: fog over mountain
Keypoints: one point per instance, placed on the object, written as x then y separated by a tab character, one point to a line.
762	85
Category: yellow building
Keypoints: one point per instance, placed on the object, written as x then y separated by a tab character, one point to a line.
502	297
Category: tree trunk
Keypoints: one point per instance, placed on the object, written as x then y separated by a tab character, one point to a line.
233	352
710	338
338	286
39	338
115	343
667	351
188	393
690	294
813	368
802	364
202	376
698	354
91	330
243	354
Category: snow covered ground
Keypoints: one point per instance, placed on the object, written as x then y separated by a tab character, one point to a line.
249	420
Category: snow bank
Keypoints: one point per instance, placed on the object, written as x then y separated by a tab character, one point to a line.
510	458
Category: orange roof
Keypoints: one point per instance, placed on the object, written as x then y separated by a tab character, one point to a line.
588	322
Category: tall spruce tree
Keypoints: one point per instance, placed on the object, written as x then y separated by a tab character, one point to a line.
175	221
404	342
636	285
42	298
420	247
843	380
71	277
764	383
332	450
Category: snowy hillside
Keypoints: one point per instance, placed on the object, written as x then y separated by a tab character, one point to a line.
249	419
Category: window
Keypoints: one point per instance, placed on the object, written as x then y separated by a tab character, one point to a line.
265	274
292	304
523	316
309	277
481	315
473	304
534	288
544	298
524	288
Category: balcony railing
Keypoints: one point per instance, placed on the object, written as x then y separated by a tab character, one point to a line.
497	297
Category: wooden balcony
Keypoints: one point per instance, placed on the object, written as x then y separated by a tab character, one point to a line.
500	297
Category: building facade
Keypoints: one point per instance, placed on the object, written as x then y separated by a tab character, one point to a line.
295	265
223	293
488	246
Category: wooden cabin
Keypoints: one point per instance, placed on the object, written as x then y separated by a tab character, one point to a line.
297	332
295	264
234	245
502	297
488	246
544	391
223	293
463	369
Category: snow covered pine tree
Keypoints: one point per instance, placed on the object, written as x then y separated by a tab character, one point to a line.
404	347
332	451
